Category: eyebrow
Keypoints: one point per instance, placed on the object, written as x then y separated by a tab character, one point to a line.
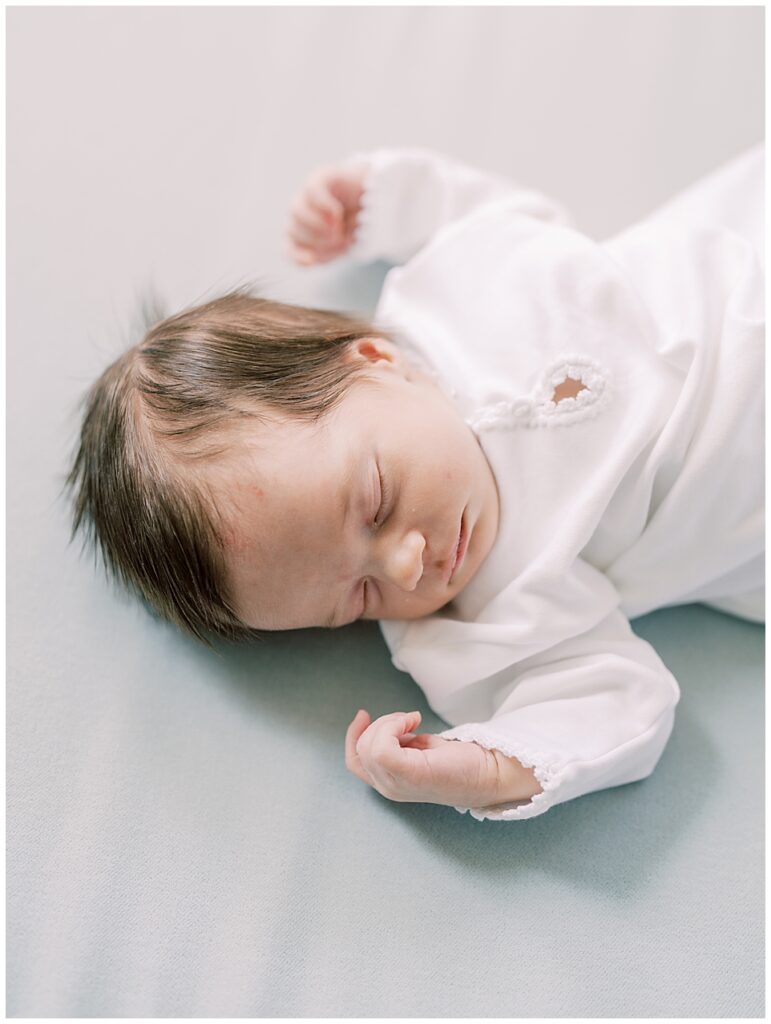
351	475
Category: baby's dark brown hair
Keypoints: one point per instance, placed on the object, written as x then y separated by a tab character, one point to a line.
163	406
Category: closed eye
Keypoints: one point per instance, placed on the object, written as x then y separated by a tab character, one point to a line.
385	499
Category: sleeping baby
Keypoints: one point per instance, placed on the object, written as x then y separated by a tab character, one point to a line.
536	438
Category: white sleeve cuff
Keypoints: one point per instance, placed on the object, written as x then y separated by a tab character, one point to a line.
546	768
409	195
562	778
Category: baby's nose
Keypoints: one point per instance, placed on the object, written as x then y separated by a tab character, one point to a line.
405	561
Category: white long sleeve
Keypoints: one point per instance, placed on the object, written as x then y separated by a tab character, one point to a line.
593	712
411	194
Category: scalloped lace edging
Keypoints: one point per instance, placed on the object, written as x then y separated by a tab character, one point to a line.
547	771
540	408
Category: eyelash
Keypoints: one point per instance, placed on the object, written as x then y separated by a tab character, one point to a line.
384	498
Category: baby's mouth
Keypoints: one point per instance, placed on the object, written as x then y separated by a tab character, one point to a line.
460	548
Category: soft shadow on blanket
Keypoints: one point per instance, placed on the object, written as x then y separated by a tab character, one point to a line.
311	683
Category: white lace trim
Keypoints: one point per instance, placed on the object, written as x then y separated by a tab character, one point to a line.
546	768
538	409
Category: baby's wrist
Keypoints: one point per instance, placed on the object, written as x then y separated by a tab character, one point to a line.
514	781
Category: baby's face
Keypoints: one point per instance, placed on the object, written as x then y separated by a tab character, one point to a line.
383	510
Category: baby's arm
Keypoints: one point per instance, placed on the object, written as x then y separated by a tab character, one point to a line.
387	204
590	712
595	711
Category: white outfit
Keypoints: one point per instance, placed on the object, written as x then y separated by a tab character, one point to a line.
645	489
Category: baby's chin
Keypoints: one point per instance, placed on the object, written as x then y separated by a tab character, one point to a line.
411	614
415	612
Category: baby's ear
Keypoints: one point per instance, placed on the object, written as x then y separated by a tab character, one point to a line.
376	350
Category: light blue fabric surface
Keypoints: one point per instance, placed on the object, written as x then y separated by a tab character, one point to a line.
211	856
183	836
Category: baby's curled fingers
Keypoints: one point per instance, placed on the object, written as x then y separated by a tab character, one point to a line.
308	255
302	234
309	227
361	721
318	196
302	214
379	749
300	254
417	741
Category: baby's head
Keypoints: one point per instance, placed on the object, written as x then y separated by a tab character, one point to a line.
254	465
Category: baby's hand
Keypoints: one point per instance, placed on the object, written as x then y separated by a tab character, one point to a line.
323	214
430	769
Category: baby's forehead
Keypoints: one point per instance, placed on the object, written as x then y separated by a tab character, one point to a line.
278	542
268	473
235	487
